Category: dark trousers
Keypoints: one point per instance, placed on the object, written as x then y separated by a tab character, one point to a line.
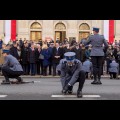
108	64
33	68
113	74
54	68
8	73
44	70
38	67
81	80
97	62
50	69
86	74
25	69
41	67
119	66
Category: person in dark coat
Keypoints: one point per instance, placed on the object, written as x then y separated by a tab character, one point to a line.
97	54
77	50
24	57
32	57
50	49
71	72
56	57
73	42
14	51
39	61
82	58
66	48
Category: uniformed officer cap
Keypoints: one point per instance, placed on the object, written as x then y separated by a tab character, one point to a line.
6	51
96	29
70	56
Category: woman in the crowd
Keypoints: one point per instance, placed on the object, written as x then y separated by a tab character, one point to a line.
46	56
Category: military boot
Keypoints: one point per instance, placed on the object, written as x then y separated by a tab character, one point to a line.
79	94
20	80
5	82
70	90
95	80
98	81
66	88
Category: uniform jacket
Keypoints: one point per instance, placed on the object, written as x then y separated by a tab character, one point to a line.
57	53
114	67
70	73
13	63
97	42
87	66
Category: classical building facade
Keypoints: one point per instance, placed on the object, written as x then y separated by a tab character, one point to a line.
45	29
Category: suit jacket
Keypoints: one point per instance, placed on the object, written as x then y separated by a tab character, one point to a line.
57	53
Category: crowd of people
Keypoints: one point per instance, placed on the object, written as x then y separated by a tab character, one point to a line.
42	58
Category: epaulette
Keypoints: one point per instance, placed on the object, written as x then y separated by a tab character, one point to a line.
64	62
76	61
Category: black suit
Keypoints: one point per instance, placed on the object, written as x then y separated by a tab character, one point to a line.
56	61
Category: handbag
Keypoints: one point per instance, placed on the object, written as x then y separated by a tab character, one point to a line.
41	57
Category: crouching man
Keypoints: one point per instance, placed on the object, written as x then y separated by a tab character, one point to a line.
71	72
11	68
114	69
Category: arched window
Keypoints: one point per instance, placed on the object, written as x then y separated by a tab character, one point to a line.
60	26
36	25
35	31
84	26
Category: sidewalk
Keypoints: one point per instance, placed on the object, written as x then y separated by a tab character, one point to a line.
50	76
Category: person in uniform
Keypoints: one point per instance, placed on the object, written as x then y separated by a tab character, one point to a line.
87	67
114	69
71	72
11	67
97	53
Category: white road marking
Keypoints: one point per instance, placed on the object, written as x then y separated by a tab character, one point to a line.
36	81
74	96
2	96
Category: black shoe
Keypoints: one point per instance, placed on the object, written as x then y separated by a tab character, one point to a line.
94	82
66	88
99	82
79	94
111	78
5	82
70	90
20	80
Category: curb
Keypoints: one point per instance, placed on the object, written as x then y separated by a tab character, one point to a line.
50	76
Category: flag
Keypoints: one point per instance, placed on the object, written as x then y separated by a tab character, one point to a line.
10	30
109	30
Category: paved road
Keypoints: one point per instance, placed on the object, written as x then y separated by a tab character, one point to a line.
45	88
